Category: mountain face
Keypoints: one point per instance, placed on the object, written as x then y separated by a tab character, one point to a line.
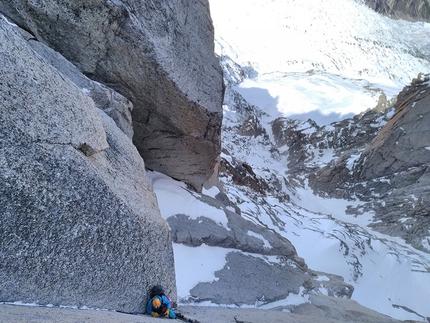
283	228
411	10
131	47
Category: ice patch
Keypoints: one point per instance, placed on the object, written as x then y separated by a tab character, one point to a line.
227	157
351	161
323	278
174	198
292	299
403	220
260	237
8	21
197	264
212	192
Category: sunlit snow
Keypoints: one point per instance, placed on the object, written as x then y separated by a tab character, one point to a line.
321	60
182	201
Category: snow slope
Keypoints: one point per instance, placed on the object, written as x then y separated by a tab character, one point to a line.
387	275
323	60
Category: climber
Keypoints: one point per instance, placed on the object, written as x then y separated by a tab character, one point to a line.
159	304
160	307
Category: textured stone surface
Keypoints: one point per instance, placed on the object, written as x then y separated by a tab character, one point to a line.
412	10
114	104
159	55
306	314
29	88
342	310
79	220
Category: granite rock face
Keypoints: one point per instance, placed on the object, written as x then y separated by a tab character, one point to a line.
159	55
412	10
111	102
79	220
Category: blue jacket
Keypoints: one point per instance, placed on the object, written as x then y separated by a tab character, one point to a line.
165	305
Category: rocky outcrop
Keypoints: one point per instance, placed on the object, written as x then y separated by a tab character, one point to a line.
403	143
393	174
79	220
412	10
242	174
385	165
205	231
159	56
250	280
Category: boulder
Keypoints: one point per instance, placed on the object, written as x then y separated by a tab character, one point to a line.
80	224
159	55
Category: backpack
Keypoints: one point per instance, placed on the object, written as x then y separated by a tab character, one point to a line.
157	290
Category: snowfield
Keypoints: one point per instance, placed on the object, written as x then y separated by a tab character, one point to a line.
326	61
334	58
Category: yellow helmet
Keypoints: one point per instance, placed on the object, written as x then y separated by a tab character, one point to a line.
156	303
